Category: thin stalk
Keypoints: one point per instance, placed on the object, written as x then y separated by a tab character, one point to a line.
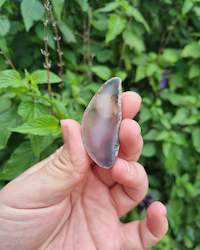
45	52
7	60
58	45
57	37
87	32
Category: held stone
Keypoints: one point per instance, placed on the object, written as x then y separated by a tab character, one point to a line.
101	122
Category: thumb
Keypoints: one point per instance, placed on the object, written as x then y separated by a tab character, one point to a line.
73	152
49	181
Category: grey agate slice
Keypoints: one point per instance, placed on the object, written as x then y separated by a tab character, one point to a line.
101	122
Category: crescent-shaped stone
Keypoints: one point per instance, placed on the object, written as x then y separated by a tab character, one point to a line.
101	122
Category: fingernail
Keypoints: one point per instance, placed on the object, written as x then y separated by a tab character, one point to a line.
62	122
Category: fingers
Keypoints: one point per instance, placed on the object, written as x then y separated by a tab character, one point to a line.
147	232
131	144
49	181
131	187
131	141
131	102
156	224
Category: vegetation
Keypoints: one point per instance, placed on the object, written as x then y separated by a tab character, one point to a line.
54	59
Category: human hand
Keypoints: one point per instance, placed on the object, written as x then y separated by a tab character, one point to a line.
66	202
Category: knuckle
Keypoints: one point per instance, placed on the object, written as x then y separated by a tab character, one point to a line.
142	179
137	150
60	163
136	127
139	180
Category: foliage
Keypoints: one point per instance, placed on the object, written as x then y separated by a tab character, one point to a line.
136	40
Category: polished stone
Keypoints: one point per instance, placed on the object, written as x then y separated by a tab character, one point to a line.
101	122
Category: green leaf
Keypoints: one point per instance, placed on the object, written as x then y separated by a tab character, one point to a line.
4	136
171	55
73	78
58	7
32	10
5	103
170	160
40	77
104	55
197	12
163	135
133	41
166	147
83	4
187	6
8	119
10	78
180	117
100	22
176	80
178	139
121	74
70	57
29	110
196	139
39	29
138	17
109	7
42	125
145	114
3	44
151	135
152	69
67	32
5	119
193	119
192	50
102	71
2	184
4	25
141	73
2	2
176	213
194	71
20	160
116	25
40	143
149	150
183	117
60	109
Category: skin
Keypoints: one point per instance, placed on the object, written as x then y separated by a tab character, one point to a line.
66	202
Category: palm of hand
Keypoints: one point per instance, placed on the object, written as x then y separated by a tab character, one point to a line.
88	218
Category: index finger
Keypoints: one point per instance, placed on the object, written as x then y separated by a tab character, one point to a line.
131	102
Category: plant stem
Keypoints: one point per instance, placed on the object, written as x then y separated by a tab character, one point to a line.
58	45
7	60
45	52
57	37
86	35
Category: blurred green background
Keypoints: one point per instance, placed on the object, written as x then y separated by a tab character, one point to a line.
154	46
